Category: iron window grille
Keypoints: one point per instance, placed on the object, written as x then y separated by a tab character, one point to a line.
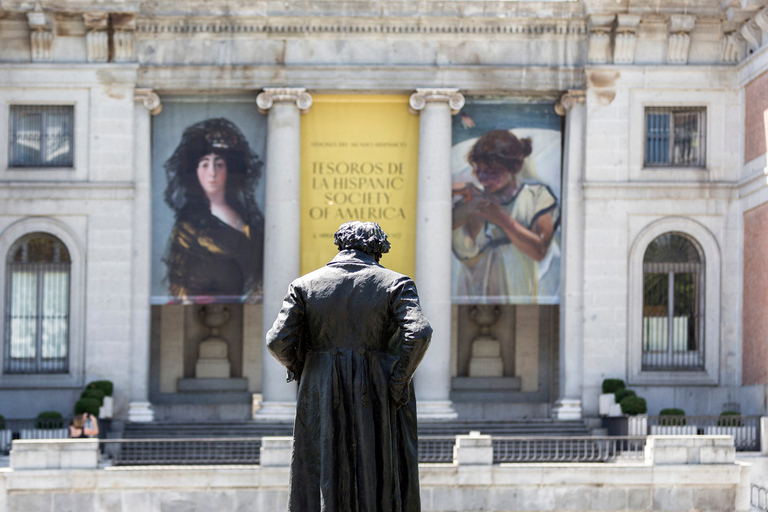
675	137
41	136
673	305
37	306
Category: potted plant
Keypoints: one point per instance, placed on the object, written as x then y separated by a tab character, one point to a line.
48	425
730	423
607	404
635	408
632	421
107	404
672	422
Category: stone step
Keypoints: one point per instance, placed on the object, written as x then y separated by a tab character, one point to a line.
254	429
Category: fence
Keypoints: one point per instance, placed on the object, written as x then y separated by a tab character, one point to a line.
432	449
568	449
190	451
49	428
759	497
744	429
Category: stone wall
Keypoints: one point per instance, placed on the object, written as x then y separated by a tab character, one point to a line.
678	474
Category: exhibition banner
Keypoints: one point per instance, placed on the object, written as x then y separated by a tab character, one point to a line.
506	165
359	159
207	201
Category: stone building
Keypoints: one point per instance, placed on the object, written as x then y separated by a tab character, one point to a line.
657	110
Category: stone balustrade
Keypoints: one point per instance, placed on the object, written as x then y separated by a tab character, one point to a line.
676	473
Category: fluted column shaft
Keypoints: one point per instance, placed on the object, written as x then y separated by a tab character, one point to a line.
281	232
433	246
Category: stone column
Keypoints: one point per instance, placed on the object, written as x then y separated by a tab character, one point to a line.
568	404
281	232
433	246
147	104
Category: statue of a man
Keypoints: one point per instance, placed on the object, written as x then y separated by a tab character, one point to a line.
352	334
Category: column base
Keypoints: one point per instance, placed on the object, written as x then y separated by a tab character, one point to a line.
567	409
435	410
140	412
276	412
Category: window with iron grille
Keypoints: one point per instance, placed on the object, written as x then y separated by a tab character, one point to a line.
37	306
673	304
675	137
41	136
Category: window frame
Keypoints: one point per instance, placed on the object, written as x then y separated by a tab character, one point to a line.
672	110
74	378
76	98
670	272
707	243
39	270
45	115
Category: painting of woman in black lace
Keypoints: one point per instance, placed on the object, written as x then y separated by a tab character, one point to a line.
215	250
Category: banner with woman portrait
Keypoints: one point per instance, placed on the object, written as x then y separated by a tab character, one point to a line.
506	166
207	201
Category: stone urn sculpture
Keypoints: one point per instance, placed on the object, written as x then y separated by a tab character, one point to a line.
486	350
213	357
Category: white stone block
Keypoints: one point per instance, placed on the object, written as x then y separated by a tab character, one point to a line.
717	455
473	450
486	367
276	451
764	435
55	454
605	402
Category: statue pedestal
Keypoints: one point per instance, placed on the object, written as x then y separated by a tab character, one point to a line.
213	362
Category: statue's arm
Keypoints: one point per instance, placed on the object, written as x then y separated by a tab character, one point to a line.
415	334
284	336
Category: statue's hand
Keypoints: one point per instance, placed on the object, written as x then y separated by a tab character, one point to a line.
399	392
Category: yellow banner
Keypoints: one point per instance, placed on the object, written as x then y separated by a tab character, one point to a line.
359	159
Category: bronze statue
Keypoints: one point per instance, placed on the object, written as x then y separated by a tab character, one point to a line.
352	334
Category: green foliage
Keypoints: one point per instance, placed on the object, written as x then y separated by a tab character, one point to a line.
624	393
730	419
89	405
613	385
94	393
2	422
674	417
105	386
49	420
633	405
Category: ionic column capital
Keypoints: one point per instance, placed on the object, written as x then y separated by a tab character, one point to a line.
271	95
149	99
421	97
568	100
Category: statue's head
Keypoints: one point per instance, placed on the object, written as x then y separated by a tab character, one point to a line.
367	237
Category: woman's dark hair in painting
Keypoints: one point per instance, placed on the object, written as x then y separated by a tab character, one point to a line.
222	137
367	237
500	146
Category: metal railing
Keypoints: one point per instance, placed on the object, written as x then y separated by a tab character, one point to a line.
189	451
568	449
436	449
50	428
744	429
759	497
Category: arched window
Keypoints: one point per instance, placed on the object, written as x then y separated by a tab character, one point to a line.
37	306
673	304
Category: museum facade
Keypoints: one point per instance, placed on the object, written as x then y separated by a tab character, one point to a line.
578	189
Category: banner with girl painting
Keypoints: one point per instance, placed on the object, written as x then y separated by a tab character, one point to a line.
207	201
506	165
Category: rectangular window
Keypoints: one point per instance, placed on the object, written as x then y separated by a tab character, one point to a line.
41	136
675	137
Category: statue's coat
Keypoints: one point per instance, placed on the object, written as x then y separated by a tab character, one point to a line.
352	333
